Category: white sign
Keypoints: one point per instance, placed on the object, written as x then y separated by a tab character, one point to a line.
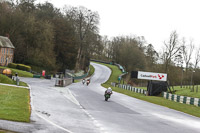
152	76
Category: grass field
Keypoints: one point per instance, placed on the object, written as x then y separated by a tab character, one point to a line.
187	92
20	72
183	91
189	109
14	104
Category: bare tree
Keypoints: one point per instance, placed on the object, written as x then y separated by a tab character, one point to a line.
85	22
108	47
151	57
197	58
171	49
187	52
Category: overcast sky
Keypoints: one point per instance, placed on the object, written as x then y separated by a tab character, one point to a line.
153	19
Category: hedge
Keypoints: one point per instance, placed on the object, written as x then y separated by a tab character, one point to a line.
12	65
19	66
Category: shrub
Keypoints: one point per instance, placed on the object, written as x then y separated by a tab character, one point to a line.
12	65
19	66
23	67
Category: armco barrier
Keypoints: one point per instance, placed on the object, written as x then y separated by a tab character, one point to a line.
182	99
36	76
82	76
100	61
111	63
130	88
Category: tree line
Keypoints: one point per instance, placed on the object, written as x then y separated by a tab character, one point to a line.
179	58
53	39
46	37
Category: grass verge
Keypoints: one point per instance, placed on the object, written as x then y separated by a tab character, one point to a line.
14	104
189	109
91	71
6	131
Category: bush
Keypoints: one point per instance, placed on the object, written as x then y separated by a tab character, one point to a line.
19	66
12	65
23	67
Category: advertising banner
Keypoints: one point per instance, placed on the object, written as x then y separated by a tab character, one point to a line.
152	76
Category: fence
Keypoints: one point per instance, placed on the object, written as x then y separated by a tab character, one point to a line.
130	88
166	95
182	99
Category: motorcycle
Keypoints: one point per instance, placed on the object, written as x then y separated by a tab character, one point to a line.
88	82
83	81
107	95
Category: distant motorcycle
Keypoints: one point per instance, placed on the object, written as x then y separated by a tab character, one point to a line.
88	81
107	95
83	81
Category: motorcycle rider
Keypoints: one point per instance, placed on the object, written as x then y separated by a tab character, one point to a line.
83	81
88	81
108	93
109	90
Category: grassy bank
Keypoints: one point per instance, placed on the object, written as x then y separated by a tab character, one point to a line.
6	80
189	109
14	104
91	71
20	72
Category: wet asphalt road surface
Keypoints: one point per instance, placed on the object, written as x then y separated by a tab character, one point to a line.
123	114
81	109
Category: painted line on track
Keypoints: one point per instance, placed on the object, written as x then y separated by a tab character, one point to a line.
14	85
53	123
96	123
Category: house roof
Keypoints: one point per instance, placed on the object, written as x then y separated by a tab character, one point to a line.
5	42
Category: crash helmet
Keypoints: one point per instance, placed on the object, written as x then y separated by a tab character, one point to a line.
109	88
